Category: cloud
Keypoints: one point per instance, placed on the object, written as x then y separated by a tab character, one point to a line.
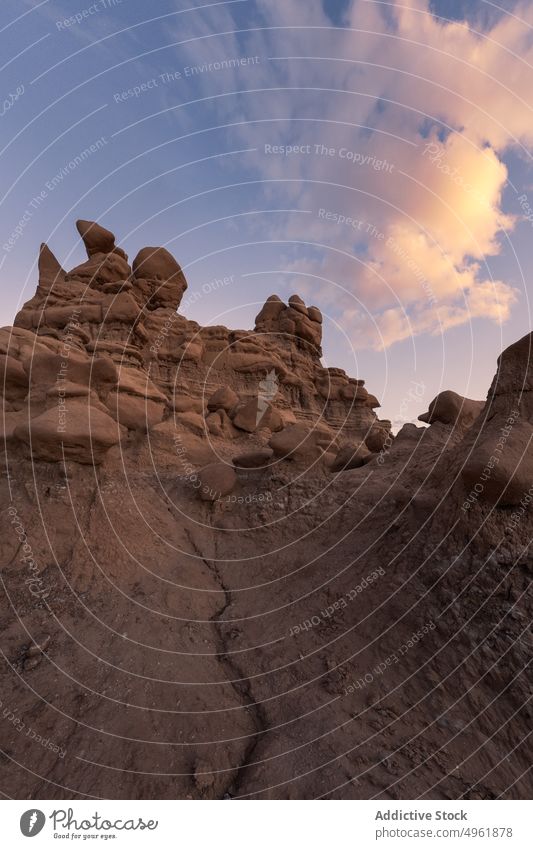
399	121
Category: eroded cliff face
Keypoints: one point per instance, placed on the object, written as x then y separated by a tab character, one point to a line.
222	577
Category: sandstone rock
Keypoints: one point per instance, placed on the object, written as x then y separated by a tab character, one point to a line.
84	435
100	270
13	379
295	442
136	382
134	411
218	479
97	239
190	451
156	264
351	457
219	424
223	399
128	318
377	439
50	271
452	409
314	314
254	459
121	307
44	368
514	374
270	311
192	421
256	414
158	278
297	304
499	468
186	404
291	323
68	389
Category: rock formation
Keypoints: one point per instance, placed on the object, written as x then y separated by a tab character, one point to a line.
224	577
105	316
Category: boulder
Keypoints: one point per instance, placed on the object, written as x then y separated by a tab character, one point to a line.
452	409
314	314
156	264
218	480
377	439
219	424
351	457
135	412
257	414
82	433
190	451
298	442
191	421
223	399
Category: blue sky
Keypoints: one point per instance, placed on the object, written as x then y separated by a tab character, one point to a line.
399	208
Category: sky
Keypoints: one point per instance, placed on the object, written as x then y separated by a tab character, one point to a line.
373	157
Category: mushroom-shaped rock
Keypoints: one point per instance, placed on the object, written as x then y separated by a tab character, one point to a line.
50	271
97	239
350	457
156	264
223	399
452	409
158	278
218	480
254	459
